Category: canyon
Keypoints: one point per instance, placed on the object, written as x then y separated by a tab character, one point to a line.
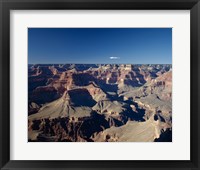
99	103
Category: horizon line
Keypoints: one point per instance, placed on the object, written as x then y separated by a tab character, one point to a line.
104	63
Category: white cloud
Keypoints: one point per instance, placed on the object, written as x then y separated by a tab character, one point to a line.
114	58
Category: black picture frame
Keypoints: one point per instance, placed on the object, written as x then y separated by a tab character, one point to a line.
7	5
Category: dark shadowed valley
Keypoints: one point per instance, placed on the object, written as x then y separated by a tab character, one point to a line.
99	103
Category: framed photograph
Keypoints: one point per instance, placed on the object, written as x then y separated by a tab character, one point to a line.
99	84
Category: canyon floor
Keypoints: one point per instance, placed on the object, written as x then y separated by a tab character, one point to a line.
99	103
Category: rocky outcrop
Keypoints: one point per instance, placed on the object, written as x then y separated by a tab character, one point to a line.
132	131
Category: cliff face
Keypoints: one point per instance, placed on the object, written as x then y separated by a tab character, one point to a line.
76	102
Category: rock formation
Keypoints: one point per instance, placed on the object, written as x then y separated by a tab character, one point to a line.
100	103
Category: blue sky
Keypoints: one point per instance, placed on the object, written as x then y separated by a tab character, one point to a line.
100	45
